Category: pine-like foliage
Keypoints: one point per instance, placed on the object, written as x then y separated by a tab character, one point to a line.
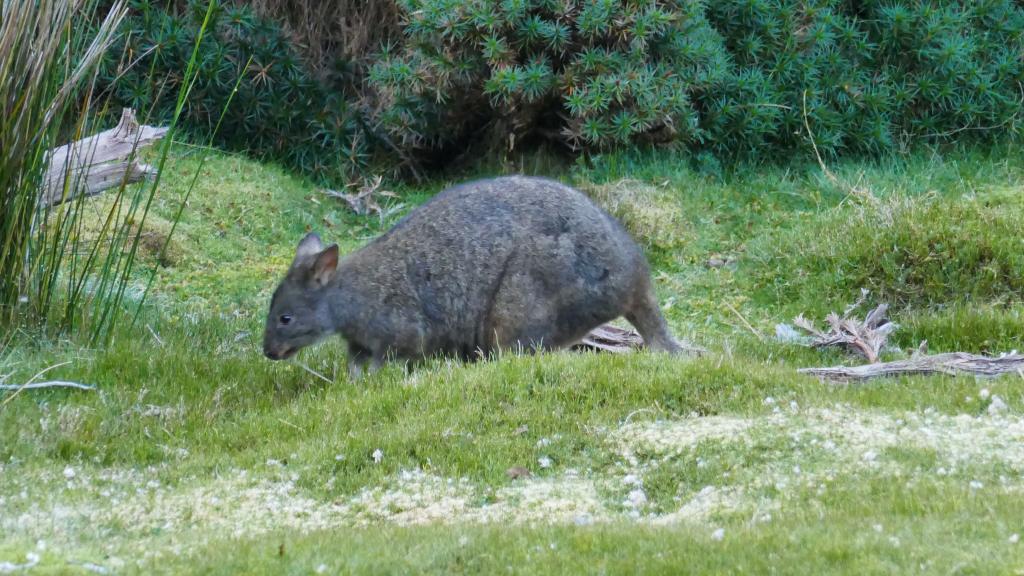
865	77
280	110
949	68
733	77
748	78
591	72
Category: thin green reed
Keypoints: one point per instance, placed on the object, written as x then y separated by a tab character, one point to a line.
104	328
188	192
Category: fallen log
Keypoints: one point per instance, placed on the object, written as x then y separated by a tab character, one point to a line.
99	162
950	363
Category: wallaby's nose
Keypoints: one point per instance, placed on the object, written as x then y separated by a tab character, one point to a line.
279	353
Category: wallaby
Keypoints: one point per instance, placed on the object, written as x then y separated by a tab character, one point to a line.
510	262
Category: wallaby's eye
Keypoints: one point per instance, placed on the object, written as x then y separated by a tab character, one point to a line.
286	319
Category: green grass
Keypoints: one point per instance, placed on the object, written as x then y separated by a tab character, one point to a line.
198	455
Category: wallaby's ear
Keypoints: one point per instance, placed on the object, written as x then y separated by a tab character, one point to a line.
309	246
324	267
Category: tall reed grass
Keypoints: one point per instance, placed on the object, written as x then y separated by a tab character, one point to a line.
55	270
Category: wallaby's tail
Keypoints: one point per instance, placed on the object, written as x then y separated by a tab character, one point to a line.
648	320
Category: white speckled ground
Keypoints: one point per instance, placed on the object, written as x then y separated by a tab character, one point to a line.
809	449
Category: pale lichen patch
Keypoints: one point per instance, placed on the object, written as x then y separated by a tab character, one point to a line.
764	463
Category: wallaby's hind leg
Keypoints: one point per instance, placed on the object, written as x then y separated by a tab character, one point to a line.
649	322
519	321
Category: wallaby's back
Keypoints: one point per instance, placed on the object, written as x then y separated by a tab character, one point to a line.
503	262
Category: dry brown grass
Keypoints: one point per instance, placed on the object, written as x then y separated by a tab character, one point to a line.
650	213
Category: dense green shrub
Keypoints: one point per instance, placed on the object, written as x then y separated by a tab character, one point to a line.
734	77
280	110
782	49
870	76
748	78
947	67
588	73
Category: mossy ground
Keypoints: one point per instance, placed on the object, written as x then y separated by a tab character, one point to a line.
198	455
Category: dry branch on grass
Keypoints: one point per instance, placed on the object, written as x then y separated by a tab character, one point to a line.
609	338
867	338
50	384
99	162
365	202
864	337
32	384
951	363
16	389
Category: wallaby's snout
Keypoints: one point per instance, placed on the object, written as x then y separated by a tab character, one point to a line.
273	345
283	353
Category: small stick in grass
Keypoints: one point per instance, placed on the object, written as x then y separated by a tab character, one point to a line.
50	384
156	336
314	372
287	423
19	388
745	323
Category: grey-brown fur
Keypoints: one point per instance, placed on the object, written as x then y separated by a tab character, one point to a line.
502	263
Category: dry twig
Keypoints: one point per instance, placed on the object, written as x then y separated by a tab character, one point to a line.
50	384
851	190
864	337
745	323
365	202
314	372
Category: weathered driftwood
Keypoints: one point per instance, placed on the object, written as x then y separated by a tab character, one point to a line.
94	164
951	363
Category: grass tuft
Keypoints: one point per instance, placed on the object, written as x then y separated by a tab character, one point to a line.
911	251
